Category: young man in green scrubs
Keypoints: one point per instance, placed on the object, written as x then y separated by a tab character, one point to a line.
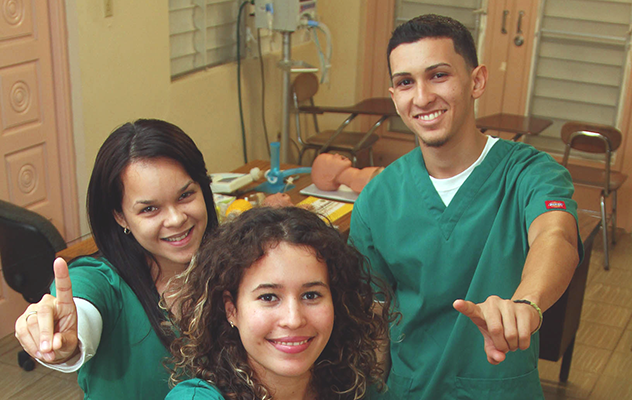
475	234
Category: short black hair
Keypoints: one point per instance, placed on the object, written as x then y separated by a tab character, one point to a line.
434	26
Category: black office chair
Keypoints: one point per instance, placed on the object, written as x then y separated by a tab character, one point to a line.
28	243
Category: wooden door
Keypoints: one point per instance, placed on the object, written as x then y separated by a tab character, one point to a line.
29	167
508	51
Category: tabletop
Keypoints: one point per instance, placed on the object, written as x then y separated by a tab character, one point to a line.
512	123
371	106
302	182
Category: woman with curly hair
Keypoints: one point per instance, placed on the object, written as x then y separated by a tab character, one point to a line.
277	306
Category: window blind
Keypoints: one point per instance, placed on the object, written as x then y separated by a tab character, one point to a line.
460	10
202	33
580	64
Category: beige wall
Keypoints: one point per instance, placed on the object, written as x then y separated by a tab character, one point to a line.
120	72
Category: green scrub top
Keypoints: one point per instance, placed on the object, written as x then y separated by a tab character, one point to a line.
128	361
432	255
194	389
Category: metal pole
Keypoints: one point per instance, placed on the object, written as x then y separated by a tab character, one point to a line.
285	112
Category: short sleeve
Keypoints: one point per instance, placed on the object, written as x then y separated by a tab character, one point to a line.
194	389
546	186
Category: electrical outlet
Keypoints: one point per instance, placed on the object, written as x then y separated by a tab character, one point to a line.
109	8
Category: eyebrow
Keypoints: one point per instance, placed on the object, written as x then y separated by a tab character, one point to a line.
182	189
428	69
278	286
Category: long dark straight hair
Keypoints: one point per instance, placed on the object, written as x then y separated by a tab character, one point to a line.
142	139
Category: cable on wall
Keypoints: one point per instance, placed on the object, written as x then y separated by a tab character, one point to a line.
263	91
241	109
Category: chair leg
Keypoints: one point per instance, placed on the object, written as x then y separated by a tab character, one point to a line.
25	361
604	233
302	153
613	216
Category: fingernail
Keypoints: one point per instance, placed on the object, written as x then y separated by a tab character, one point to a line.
38	355
44	346
49	356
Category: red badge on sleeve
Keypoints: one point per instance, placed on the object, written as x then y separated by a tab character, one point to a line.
555	205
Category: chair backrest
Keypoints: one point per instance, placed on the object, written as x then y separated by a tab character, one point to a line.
305	86
591	143
28	243
591	138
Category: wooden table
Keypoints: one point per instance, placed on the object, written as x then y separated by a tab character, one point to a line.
302	182
372	106
519	125
561	321
82	248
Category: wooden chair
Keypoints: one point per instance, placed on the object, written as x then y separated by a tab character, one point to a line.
304	87
600	139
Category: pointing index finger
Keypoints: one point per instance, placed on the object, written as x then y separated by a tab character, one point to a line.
62	282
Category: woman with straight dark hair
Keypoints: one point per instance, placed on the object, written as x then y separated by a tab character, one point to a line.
149	205
277	306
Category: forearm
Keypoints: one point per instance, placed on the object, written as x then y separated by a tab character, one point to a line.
551	261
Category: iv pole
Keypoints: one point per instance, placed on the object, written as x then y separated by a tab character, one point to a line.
286	66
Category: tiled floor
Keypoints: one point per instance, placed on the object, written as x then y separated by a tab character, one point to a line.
41	383
602	360
601	367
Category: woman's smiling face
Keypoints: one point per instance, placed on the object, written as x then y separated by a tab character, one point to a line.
284	312
164	209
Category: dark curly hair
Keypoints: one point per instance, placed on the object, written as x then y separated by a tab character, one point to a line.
207	347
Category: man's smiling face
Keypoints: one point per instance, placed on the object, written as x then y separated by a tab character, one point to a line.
433	89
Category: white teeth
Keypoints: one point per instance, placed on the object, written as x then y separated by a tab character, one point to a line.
178	238
428	117
293	343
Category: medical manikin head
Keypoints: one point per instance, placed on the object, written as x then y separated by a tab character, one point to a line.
329	171
326	170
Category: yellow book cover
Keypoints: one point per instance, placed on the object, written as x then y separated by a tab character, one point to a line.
329	209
